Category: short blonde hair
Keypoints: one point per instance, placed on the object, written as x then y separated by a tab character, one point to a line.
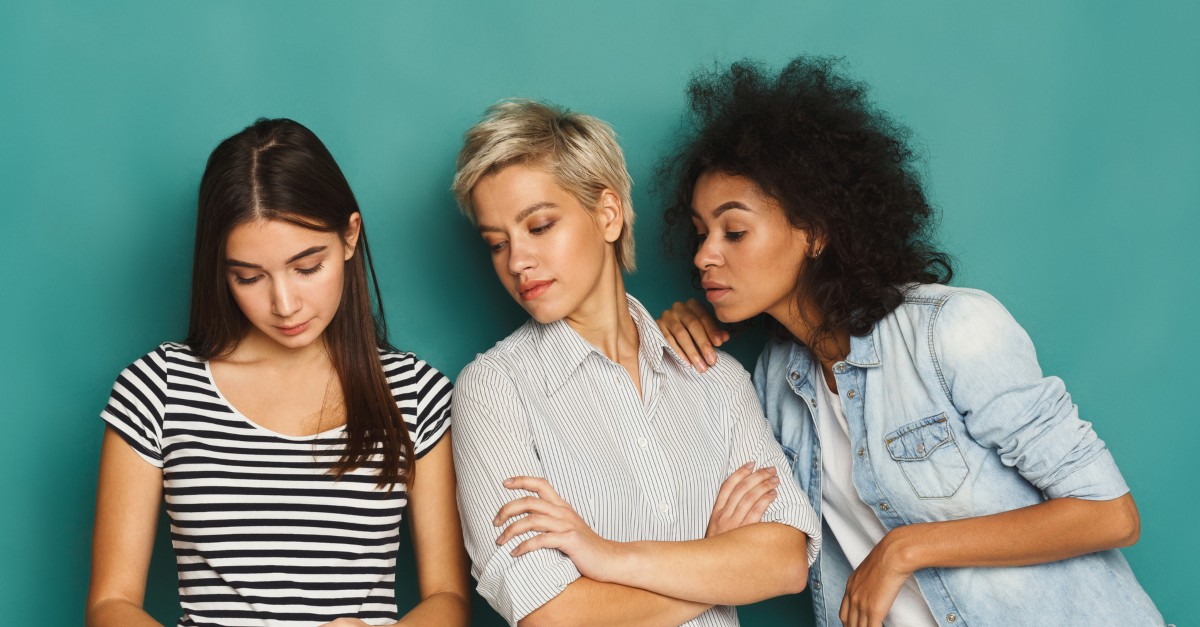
578	150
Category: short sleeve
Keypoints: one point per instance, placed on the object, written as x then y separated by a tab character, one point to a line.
423	394
492	442
137	404
752	440
990	372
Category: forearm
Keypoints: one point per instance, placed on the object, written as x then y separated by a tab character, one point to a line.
612	605
443	608
746	565
1054	530
118	613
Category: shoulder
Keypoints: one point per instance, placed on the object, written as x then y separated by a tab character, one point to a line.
409	375
156	367
493	369
728	372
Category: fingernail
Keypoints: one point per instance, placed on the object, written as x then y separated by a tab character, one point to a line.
508	482
774	480
711	356
748	465
771	470
701	366
496	522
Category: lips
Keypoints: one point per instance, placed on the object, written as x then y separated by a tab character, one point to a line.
294	330
714	291
530	290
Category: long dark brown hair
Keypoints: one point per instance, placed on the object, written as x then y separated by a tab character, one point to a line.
280	170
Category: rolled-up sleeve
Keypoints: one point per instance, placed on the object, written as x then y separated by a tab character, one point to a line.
492	442
752	440
990	372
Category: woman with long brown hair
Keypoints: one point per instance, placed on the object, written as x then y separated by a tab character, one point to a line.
285	434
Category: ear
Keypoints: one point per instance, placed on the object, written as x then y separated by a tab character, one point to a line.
610	215
353	229
815	242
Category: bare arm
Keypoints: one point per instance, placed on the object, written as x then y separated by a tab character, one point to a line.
437	540
128	497
1054	530
612	605
745	565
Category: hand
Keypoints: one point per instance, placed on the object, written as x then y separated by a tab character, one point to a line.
873	586
559	527
693	332
743	498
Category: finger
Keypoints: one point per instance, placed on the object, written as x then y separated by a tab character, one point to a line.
756	511
742	508
678	319
702	341
730	483
715	334
673	344
533	522
526	505
538	486
540	541
754	479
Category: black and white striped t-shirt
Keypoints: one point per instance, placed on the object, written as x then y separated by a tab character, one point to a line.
263	533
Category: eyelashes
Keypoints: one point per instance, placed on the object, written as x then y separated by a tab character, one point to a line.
254	279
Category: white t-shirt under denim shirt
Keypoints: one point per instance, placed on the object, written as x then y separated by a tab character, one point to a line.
546	403
854	527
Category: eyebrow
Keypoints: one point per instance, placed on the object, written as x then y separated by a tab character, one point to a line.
716	213
525	213
296	257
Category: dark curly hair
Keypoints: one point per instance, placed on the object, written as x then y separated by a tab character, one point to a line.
811	139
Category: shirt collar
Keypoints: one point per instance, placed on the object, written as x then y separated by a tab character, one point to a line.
863	353
562	350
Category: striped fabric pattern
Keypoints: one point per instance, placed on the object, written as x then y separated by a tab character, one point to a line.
545	403
263	534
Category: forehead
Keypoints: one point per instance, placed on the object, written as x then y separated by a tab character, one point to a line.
266	238
501	196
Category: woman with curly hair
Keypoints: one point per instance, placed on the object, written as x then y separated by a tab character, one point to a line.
957	485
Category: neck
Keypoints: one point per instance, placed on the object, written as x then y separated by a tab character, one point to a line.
257	347
603	319
828	349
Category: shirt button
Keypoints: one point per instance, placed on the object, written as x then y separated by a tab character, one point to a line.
862	451
643	442
794	376
851	394
951	617
884	506
663	507
839	367
816	585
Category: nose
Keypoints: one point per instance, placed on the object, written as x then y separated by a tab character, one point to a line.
285	302
520	257
707	254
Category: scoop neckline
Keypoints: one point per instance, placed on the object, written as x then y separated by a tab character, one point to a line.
212	382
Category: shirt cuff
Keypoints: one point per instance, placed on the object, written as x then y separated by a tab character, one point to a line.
1097	480
515	587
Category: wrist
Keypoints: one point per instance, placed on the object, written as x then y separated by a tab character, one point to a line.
903	549
622	564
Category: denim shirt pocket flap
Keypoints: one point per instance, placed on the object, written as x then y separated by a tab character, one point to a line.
928	456
918	440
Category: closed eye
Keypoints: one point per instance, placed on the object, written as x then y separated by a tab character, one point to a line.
734	236
250	281
542	228
313	270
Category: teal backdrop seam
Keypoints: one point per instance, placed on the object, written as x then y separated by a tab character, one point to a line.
1062	142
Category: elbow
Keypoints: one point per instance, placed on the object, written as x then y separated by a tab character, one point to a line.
1129	526
793	564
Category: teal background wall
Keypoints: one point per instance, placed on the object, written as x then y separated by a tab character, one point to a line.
1063	151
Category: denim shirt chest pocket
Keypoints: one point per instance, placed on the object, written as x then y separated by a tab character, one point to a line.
929	457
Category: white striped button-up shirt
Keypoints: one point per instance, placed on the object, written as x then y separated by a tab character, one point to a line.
546	403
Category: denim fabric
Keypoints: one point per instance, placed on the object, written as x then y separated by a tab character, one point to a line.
950	417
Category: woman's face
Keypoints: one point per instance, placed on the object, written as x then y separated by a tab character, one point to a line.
749	255
286	279
549	252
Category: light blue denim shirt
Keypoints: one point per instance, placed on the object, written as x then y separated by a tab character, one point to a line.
950	417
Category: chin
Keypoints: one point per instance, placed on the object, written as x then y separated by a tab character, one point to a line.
731	315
